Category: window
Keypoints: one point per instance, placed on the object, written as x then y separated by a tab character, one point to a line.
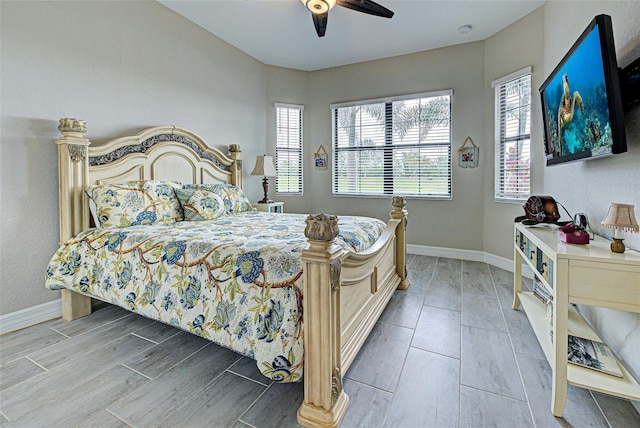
400	145
289	149
513	136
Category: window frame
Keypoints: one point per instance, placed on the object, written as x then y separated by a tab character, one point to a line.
299	149
501	140
389	147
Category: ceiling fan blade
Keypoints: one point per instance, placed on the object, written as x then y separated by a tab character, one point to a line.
320	22
366	6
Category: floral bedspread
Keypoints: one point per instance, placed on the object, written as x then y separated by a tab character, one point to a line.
236	280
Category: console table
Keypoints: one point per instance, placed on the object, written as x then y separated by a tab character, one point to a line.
583	274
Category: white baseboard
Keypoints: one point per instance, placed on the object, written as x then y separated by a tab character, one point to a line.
471	255
30	316
47	311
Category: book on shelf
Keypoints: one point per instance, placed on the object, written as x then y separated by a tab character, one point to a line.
541	292
592	355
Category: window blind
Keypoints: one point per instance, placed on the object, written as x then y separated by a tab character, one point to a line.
513	137
400	145
289	149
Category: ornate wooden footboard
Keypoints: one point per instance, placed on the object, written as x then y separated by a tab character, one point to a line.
344	292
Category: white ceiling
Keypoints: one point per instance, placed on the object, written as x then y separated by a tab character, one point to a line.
281	32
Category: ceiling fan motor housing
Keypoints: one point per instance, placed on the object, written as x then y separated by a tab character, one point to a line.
319	6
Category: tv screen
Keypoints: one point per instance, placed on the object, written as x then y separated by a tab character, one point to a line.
581	99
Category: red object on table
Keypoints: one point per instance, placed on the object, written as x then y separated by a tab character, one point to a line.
570	234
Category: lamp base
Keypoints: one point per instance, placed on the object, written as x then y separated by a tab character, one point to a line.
617	246
265	187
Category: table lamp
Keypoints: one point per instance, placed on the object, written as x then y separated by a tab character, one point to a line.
264	166
620	217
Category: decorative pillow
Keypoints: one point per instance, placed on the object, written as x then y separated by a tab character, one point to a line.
235	200
163	201
200	204
134	203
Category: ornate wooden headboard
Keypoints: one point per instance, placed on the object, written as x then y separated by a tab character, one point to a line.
160	153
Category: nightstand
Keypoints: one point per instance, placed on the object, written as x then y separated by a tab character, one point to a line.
270	207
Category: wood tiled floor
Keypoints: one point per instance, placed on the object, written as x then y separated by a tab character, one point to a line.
449	352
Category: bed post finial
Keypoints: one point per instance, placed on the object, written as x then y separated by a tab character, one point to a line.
73	179
325	402
398	211
235	153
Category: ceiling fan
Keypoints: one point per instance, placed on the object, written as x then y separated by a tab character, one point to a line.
320	10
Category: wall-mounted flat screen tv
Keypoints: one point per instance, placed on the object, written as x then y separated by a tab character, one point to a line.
581	99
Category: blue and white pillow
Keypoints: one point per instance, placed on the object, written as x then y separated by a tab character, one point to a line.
200	204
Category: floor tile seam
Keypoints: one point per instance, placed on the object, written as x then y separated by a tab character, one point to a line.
189	397
176	363
61	333
36	363
133	333
177	331
508	397
399	326
144	338
5	416
506	331
395	386
389	322
245	423
31	351
100	346
599	408
377	388
64	364
35	375
120	418
117	417
246	377
435	353
513	350
252	404
434	263
440	307
136	371
4	363
106	323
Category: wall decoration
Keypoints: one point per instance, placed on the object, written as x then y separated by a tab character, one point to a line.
321	159
468	156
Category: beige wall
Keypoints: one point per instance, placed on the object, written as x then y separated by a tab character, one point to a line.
288	86
122	67
455	223
510	50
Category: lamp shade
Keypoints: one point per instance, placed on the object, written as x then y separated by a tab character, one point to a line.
264	166
621	217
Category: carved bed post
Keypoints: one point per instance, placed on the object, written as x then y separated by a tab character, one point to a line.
73	179
399	212
235	153
325	403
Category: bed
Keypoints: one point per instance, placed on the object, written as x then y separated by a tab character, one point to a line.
299	294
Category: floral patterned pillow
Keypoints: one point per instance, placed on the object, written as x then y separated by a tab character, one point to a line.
235	200
163	200
134	203
200	204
